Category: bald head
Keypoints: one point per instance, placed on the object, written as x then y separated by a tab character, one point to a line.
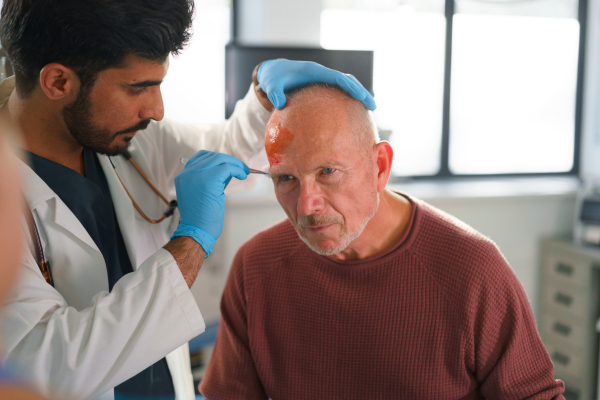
328	105
327	165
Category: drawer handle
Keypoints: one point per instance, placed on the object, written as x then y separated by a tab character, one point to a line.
563	299
564	269
561	329
561	358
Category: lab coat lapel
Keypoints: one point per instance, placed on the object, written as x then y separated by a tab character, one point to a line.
179	359
123	206
36	191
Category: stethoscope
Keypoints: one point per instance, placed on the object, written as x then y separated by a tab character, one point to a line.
44	264
172	205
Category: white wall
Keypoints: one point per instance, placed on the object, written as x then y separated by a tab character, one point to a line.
279	22
590	150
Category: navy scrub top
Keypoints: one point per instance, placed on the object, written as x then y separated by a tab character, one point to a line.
88	197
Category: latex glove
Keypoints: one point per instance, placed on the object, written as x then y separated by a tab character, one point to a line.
201	198
276	77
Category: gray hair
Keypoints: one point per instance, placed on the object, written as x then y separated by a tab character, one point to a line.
366	134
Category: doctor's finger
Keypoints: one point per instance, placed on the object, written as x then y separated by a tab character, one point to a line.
225	172
354	88
209	159
277	96
367	99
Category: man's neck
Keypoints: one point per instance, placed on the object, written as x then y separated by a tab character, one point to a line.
44	131
384	230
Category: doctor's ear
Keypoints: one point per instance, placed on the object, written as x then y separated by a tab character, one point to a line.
59	82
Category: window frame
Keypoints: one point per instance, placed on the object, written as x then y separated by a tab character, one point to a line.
444	172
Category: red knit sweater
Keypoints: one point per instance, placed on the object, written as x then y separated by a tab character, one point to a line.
440	316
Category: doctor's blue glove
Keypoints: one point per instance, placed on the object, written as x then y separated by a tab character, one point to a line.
200	195
276	77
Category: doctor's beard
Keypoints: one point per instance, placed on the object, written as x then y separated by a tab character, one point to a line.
78	118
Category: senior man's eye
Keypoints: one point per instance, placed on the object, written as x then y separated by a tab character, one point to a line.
283	179
284	184
328	170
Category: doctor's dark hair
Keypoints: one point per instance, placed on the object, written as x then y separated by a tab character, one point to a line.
89	36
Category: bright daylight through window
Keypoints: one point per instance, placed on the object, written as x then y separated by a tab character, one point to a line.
408	71
513	80
200	68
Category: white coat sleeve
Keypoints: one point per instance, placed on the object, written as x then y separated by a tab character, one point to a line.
241	136
68	353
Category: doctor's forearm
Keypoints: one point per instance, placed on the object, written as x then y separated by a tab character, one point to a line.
189	256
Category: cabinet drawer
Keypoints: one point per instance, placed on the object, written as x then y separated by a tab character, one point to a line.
567	362
565	299
563	329
570	268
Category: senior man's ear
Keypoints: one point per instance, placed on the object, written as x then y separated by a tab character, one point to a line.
385	155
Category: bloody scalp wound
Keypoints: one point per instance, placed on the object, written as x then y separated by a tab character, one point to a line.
277	139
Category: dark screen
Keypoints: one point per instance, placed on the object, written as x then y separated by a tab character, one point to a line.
241	60
590	212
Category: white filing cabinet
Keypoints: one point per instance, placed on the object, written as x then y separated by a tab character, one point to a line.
568	311
598	389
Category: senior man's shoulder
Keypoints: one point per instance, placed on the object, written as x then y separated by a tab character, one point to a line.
466	266
455	254
449	233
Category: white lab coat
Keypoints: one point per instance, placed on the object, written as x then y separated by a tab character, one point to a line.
77	339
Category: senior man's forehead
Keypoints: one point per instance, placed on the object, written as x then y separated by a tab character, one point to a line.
314	129
316	124
277	139
312	154
314	111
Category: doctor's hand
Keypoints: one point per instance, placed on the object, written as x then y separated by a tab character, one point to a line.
277	77
201	198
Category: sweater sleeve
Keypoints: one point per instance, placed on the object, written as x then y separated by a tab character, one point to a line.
504	348
231	373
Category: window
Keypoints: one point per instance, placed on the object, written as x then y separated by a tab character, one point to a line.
408	76
470	87
194	88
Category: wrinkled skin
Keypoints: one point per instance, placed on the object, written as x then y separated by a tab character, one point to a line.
333	191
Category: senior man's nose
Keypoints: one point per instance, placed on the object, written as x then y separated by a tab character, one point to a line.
310	199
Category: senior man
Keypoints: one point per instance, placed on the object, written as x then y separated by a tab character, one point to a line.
365	293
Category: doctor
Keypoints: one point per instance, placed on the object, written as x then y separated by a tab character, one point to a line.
118	312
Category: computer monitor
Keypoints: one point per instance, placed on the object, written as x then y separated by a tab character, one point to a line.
240	62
